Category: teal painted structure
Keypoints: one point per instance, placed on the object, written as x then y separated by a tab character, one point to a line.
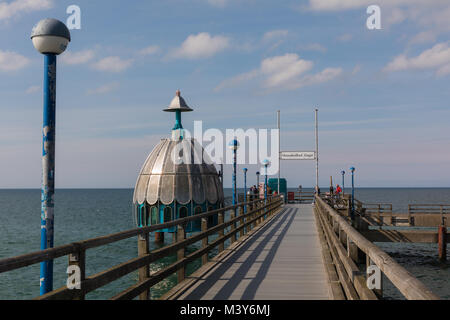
273	184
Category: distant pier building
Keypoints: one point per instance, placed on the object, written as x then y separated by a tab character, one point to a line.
177	180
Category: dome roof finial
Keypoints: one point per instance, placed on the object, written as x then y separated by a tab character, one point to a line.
178	104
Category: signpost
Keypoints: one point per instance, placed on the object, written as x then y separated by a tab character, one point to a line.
297	155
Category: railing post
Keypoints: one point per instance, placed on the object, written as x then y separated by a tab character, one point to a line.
220	218
144	272
342	237
181	235
256	206
241	222
349	206
409	215
204	240
78	259
378	292
442	242
260	210
352	250
233	226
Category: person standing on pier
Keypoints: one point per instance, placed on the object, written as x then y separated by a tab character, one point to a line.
338	191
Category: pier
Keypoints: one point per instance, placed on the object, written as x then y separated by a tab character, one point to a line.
266	250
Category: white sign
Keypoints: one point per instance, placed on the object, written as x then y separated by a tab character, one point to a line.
297	155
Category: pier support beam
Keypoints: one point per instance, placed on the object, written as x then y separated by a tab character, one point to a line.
442	242
144	272
180	235
204	241
159	237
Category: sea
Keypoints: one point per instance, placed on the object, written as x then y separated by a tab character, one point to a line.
88	213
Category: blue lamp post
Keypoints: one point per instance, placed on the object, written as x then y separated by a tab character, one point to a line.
343	182
234	145
266	164
50	37
352	169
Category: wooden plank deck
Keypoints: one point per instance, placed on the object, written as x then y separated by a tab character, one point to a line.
280	261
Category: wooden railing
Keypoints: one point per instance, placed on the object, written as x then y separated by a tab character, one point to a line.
378	208
418	215
249	215
351	252
429	208
300	196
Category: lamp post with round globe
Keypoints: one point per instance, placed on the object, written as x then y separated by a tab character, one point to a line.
343	182
234	145
50	37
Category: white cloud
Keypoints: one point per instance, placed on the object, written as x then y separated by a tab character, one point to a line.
325	75
423	37
337	5
33	89
433	14
149	50
11	61
79	57
314	47
286	72
104	88
275	35
112	64
437	58
14	8
283	70
202	45
235	81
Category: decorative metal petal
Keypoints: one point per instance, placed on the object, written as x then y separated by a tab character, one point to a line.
182	192
153	189
141	189
219	189
211	191
169	166
167	189
159	163
198	192
150	162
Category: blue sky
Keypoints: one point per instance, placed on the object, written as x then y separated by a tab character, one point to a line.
383	95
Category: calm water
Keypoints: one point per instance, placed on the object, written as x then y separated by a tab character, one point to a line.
83	214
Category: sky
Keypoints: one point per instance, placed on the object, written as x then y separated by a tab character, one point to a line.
383	95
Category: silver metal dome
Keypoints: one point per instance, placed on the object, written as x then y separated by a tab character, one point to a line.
50	27
163	179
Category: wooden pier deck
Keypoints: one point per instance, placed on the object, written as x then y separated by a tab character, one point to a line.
280	261
267	250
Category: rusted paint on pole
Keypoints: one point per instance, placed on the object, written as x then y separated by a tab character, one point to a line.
48	170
